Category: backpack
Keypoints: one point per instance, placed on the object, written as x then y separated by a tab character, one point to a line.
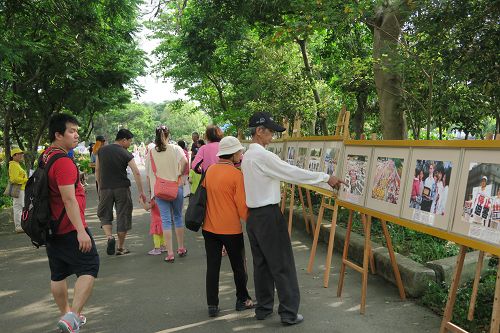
36	219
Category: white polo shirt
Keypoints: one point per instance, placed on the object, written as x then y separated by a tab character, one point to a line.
263	171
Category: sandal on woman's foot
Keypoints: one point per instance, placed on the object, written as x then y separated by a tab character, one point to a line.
244	305
120	252
170	258
182	252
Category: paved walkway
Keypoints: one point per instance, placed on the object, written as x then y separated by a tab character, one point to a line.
138	293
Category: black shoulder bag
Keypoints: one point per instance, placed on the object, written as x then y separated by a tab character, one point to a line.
197	207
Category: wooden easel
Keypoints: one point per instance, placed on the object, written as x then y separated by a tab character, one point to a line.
341	129
446	324
367	260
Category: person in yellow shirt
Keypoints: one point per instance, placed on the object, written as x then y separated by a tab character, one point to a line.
17	175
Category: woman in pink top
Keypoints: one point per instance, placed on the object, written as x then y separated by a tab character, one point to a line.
208	152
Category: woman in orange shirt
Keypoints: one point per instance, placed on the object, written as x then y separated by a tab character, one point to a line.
226	208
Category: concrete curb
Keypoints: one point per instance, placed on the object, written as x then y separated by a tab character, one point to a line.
416	277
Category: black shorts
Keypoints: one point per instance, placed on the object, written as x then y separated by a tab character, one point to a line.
66	259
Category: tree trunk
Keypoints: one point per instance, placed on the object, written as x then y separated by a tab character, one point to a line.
320	118
6	133
220	92
387	30
358	118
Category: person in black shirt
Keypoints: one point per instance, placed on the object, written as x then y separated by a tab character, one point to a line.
195	146
114	189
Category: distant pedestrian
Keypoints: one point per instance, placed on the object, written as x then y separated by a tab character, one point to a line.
114	189
222	228
169	161
195	177
17	176
72	249
274	265
195	146
186	190
207	154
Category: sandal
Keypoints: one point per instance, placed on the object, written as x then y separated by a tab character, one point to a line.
120	252
245	305
182	252
170	258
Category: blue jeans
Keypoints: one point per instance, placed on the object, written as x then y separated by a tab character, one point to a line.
167	207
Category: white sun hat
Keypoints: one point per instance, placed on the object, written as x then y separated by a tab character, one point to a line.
229	145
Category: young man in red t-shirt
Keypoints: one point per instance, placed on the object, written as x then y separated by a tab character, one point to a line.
72	249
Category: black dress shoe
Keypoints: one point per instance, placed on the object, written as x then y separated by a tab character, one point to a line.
213	310
295	321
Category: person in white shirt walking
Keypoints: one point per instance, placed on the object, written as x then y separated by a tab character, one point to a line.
273	260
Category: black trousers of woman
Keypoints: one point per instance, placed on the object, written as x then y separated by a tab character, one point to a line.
235	248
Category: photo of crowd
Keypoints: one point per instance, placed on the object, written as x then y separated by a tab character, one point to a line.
314	159
331	160
430	186
387	179
355	176
290	156
482	195
301	157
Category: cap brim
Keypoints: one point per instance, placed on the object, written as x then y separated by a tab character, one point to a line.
274	126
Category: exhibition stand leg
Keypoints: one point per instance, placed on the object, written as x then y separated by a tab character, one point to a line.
367	255
345	254
475	286
395	268
304	209
329	254
495	315
316	234
446	324
309	204
372	259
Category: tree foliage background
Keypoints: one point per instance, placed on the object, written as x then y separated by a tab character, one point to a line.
404	68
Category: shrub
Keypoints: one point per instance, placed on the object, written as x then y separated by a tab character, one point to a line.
437	294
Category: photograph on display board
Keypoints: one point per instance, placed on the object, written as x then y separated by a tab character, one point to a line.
279	149
301	157
331	154
355	177
314	159
387	179
481	205
290	155
430	186
331	158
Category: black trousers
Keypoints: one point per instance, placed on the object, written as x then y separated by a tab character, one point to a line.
273	262
235	248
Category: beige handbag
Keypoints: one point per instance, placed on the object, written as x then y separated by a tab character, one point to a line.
12	190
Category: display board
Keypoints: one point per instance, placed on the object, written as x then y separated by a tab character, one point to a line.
449	189
432	181
355	174
477	213
388	178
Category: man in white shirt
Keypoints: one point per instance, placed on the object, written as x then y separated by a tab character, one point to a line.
267	230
